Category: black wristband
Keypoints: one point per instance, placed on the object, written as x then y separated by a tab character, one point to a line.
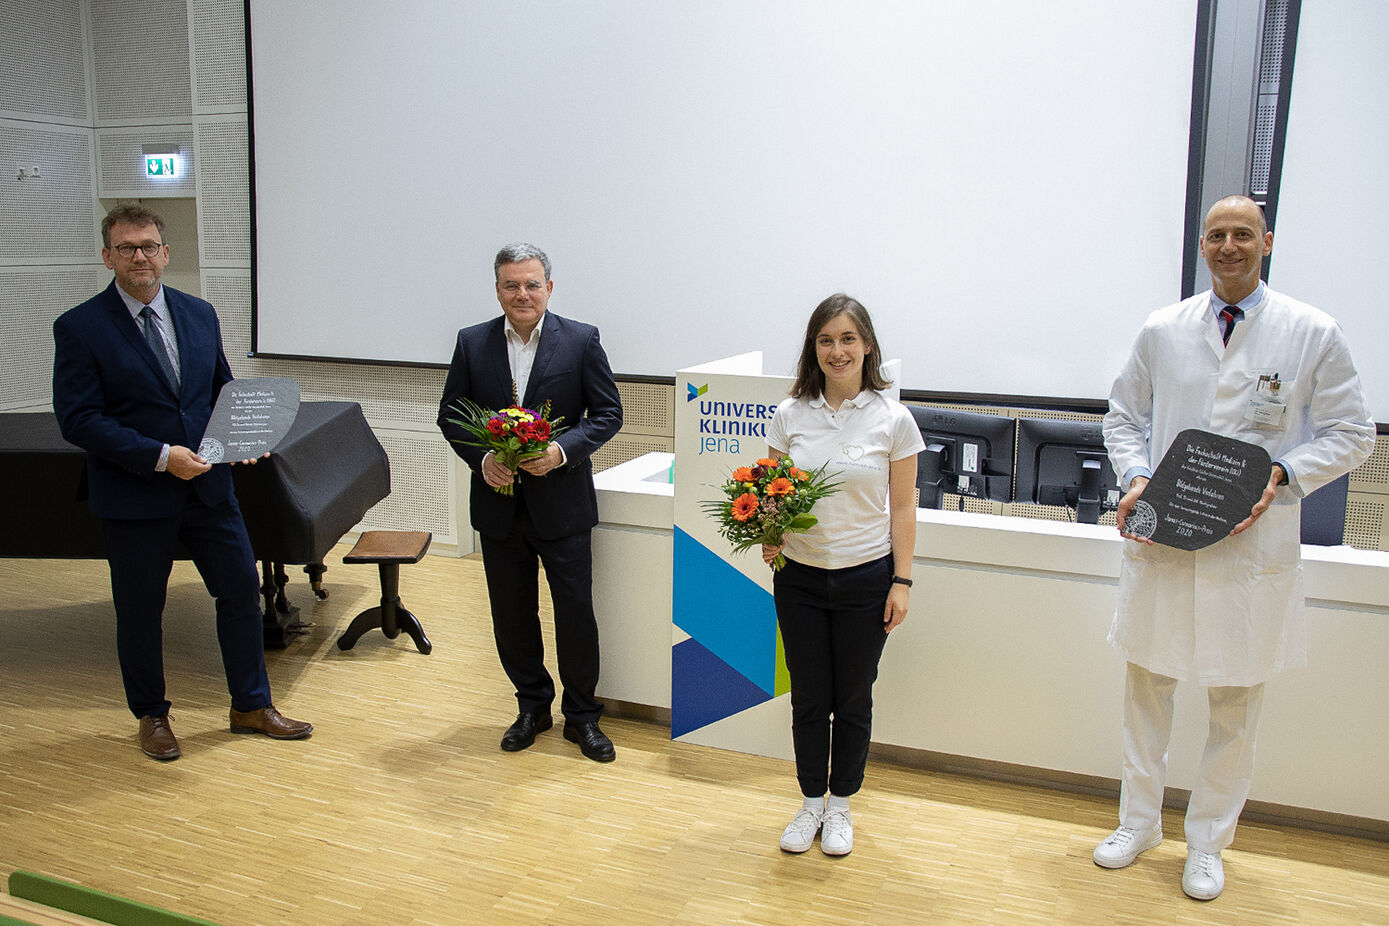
898	580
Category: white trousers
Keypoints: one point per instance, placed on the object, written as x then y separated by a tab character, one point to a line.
1227	764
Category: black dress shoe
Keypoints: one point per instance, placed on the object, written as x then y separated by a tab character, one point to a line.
593	743
521	734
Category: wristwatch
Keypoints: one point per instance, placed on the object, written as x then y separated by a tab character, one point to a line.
898	580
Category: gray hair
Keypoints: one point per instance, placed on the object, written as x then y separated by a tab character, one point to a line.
519	251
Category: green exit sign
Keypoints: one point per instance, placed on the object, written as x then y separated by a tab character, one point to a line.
161	166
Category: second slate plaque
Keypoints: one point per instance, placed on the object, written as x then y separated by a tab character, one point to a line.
1204	486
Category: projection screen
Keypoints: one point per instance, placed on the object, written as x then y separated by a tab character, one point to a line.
1330	228
1003	185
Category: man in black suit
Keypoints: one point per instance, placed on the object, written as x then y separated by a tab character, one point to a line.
136	370
537	357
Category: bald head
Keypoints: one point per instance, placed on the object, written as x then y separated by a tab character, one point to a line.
1242	204
1234	241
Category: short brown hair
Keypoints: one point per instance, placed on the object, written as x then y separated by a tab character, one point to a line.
810	379
130	214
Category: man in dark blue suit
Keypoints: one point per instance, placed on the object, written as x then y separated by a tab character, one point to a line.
136	370
537	357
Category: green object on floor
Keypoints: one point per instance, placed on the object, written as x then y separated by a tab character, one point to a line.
11	921
84	901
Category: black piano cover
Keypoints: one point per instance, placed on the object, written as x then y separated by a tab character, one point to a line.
329	470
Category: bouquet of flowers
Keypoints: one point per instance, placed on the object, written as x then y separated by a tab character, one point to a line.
513	434
763	503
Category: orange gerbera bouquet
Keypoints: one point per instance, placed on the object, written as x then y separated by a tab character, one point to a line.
513	434
763	503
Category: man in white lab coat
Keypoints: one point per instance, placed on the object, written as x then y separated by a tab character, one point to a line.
1230	616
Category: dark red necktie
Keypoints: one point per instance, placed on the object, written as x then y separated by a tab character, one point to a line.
1230	314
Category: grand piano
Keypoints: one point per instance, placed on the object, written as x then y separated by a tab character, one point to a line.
316	486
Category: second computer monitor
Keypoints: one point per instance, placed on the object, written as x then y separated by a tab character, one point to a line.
967	453
1064	463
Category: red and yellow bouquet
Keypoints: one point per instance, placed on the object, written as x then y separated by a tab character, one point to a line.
513	434
764	502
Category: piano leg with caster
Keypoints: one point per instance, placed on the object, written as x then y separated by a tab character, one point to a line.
315	573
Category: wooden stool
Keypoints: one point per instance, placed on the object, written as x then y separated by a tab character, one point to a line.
388	549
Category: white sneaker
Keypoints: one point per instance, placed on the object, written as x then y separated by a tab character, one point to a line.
1124	845
799	834
1203	878
837	836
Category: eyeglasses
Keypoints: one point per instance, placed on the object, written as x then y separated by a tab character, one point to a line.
532	286
128	250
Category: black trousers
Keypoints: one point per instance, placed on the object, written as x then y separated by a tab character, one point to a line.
511	562
832	632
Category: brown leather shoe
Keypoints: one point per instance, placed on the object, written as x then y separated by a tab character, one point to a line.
157	738
271	722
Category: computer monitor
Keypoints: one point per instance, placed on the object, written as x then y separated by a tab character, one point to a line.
1064	463
967	453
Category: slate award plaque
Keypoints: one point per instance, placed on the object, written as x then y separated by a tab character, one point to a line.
251	416
1205	485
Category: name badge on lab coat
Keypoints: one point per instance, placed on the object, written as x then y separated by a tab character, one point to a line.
1267	407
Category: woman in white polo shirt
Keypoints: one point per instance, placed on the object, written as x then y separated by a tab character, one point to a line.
847	580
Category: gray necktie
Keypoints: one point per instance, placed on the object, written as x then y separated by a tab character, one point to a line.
161	350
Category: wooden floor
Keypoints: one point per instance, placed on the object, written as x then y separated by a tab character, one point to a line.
401	808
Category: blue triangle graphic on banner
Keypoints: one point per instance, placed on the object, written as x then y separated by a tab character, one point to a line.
728	613
704	689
